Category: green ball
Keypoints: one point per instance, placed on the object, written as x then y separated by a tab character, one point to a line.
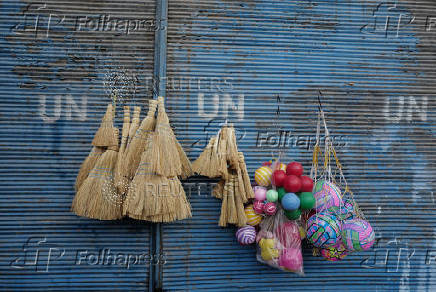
307	201
281	192
293	215
272	195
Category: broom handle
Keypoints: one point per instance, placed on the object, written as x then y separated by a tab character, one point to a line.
126	126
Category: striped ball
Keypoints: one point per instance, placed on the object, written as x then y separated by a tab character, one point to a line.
357	234
270	208
323	230
262	176
334	253
258	207
326	195
253	218
246	235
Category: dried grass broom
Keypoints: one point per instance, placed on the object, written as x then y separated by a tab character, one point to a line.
232	216
135	123
88	165
224	213
220	149
249	193
218	189
120	180
239	204
207	163
105	136
232	148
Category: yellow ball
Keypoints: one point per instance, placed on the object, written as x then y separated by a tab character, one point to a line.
253	218
282	166
262	176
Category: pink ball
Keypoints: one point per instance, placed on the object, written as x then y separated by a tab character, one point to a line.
288	234
258	207
260	193
270	208
291	259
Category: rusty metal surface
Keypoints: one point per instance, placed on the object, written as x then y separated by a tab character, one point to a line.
58	61
374	61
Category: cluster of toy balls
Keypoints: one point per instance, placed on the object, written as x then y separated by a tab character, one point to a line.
290	188
334	228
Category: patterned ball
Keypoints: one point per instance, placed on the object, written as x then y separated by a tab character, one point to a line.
262	176
357	234
253	218
323	230
246	235
258	207
259	193
291	259
334	253
270	208
343	212
326	195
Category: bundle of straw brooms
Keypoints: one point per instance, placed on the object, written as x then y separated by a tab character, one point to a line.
221	159
138	178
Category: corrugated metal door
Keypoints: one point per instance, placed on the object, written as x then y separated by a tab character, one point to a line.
58	59
374	62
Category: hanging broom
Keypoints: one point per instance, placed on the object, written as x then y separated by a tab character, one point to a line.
121	182
224	213
232	148
185	163
249	193
220	149
97	197
204	165
138	142
135	123
88	165
231	204
105	136
240	212
218	189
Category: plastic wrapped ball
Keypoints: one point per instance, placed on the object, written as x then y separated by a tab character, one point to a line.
258	207
292	183
294	168
307	201
290	202
262	176
326	195
293	215
246	235
264	234
270	208
281	193
272	195
323	230
288	234
357	234
253	218
334	253
291	259
259	193
306	184
278	178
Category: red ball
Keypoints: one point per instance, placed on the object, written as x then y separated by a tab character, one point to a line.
267	163
292	183
306	184
278	178
294	168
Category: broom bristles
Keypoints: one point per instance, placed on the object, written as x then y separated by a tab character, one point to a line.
165	156
240	185
232	148
231	204
185	162
105	135
135	123
182	206
240	212
121	182
138	143
88	165
224	215
249	193
206	163
218	189
220	149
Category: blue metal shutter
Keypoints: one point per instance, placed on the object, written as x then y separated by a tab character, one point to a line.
55	57
374	63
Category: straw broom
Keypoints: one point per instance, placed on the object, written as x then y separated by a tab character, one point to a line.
218	189
138	142
231	205
121	182
232	148
97	197
240	212
224	213
105	135
88	165
135	123
206	163
249	193
220	149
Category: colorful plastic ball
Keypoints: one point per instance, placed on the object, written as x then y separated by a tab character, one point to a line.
258	206
259	193
278	178
357	234
294	168
288	234
326	195
334	253
281	193
344	212
292	183
246	235
293	215
253	218
291	259
270	208
307	201
272	195
262	176
323	230
290	202
306	184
